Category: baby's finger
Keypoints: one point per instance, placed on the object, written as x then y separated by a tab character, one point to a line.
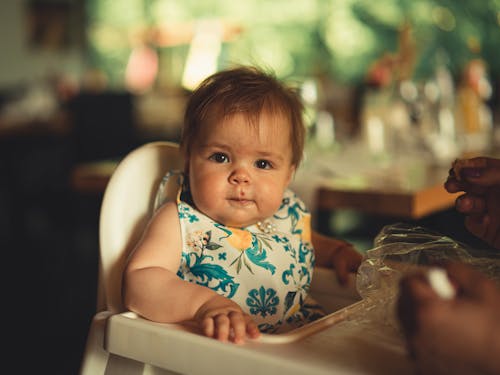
238	326
207	327
341	270
251	328
355	262
222	327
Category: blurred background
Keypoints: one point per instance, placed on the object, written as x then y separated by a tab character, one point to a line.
393	86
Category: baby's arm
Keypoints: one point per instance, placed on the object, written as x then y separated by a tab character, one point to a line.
336	254
152	289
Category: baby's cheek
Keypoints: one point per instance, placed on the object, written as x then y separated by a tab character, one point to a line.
272	203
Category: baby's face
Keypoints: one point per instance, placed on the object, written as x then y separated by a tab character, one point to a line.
238	172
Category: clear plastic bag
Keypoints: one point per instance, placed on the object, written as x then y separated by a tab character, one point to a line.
400	249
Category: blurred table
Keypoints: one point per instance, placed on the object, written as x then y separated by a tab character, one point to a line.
56	125
382	195
410	194
92	177
409	187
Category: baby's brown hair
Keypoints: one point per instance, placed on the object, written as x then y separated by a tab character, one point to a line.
248	91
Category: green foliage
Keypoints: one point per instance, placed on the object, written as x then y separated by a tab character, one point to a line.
301	38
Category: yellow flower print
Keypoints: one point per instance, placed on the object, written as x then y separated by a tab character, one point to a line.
240	239
305	225
250	248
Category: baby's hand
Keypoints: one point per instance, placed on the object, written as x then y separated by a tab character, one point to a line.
345	259
224	320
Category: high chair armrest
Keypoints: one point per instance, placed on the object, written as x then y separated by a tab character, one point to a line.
95	357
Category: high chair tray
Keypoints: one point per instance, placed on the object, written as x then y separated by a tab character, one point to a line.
330	345
281	338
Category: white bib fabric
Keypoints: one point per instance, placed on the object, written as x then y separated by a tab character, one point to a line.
266	268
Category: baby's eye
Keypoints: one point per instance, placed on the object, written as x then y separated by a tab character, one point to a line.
219	157
263	164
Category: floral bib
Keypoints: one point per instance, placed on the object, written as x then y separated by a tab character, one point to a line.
266	268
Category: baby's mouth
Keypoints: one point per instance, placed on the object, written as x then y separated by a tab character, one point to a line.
240	201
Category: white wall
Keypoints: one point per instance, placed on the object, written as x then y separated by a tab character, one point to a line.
18	62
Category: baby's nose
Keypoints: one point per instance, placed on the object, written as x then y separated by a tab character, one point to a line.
239	176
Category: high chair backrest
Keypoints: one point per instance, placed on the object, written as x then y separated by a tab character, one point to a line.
127	206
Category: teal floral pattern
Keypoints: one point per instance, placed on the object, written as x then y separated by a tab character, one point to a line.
292	209
202	267
267	274
185	213
262	301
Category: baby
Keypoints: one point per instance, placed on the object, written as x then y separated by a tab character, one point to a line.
235	253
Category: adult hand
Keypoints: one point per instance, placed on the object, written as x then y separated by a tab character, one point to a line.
224	320
457	336
479	178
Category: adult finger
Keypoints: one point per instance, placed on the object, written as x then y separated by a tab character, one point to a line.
470	282
452	185
418	287
482	171
477	224
415	292
470	204
460	272
492	235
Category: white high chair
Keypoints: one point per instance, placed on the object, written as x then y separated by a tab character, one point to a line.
126	208
120	342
